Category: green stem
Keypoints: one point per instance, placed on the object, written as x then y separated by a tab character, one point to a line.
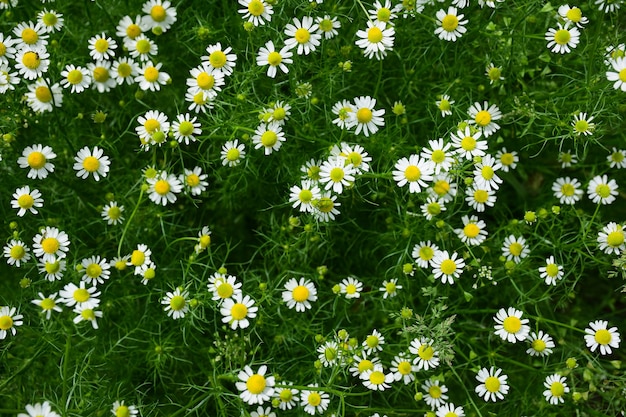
129	221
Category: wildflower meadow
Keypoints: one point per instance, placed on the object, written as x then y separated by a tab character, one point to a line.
268	208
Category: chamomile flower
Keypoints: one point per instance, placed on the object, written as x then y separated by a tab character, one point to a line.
91	162
258	12
361	363
414	171
37	158
617	158
121	410
103	79
493	385
343	110
467	143
373	342
204	239
140	257
44	96
325	209
77	79
255	387
493	73
129	29
327	26
443	188
484	116
51	20
194	180
508	160
151	122
7	51
376	40
31	35
601	190
273	59
204	78
50	244
572	15
95	270
450	410
485	173
263	412
151	77
541	344
447	267
102	47
438	154
163	188
598	335
450	27
426	356
87	313
432	207
142	47
608	6
237	310
314	401
567	190
390	288
563	39
335	174
510	326
233	153
268	136
376	379
16	252
303	35
423	253
444	104
287	396
329	353
9	319
48	304
384	13
159	15
176	303
365	117
479	197
53	270
611	238
582	124
311	169
403	369
303	196
567	158
556	388
351	287
473	232
357	156
147	272
26	200
8	79
435	394
618	75
112	213
299	294
515	248
551	272
199	101
220	59
124	70
72	295
38	410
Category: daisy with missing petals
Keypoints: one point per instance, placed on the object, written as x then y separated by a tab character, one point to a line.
551	272
50	244
373	342
541	344
435	394
447	267
444	104
617	158
237	310
269	56
95	270
204	239
365	117
343	110
357	156
439	155
85	313
220	59
427	357
164	187
140	257
384	12
112	213
473	232
443	188
450	26
268	136
314	401
376	40
618	75
402	368
176	303
119	409
9	319
567	190
567	158
611	238
602	190
494	73
38	410
258	12
279	112
563	39
287	397
303	196
582	124
194	180
151	77
77	79
414	171
376	379
515	248
255	388
450	410
311	169
26	200
43	96
325	209
351	287
423	253
467	143
329	353
102	47
233	153
484	117
510	326
328	26
103	79
335	174
16	253
124	70
158	14
597	335
302	34
480	197
200	101
91	162
299	294
493	386
48	304
556	387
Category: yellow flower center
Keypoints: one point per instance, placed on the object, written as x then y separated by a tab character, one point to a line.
568	190
114	213
3	49
434	391
177	302
350	289
302	35
225	290
404	368
300	293
557	389
50	245
494	73
468	143
47	304
286	395
487	172
412	173
274	58
615	238
25	201
383	14
330	354
374	35
91	164
441	187
313	172
17	252
390	288
325	205
444	105
512	324
137	258
355	159
151	125
574	14
75	77
372	341
603	190
314	399
185	128
101	74
31	60
377	377
364	115
336	174
603	337
232	154
552	270
326	25
49	19
30	36
256	8
6	322
483	118
562	36
492	384
53	267
539	345
158	13
124	70
622	75
81	295
581	126
507	159
193	180
88	314
515	248
438	156
279	113
101	45
217	59
448	266
449	22
365	365
269	139
43	94
426	253
426	352
122	411
481	196
200	98
143	46
93	270
151	74
239	311
471	230
205	81
162	187
133	30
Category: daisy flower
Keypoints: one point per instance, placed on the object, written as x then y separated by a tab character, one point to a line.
299	294
423	253
493	73
328	353
16	253
77	79
597	335
541	344
508	160
7	51
91	162
31	35
195	180
551	272
567	158
608	6
618	75
390	288
328	26
163	188
151	77
303	196
438	154
510	326
572	15
102	78
602	190
376	40
351	287
51	244
373	342
96	270
435	394
365	117
432	207
402	369
158	14
325	209
567	190
32	62
233	153
314	401
72	295
9	319
447	267
361	364
204	239
467	143
263	412
39	410
356	156
302	34
480	197
335	174
151	122
176	303
484	117
140	257
450	26
43	96
485	173
443	188
268	136
258	12
26	200
376	379
414	171
473	232
85	313
269	56
611	238
119	409
450	410
493	386
124	70
287	396
142	47
204	78
617	158
220	59
343	110
384	13
515	248
255	388
48	304
8	79
444	104
112	213
53	270
51	20
311	169
556	387
582	124
563	39
427	357
237	310
200	102
129	29
147	272
613	52
102	47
